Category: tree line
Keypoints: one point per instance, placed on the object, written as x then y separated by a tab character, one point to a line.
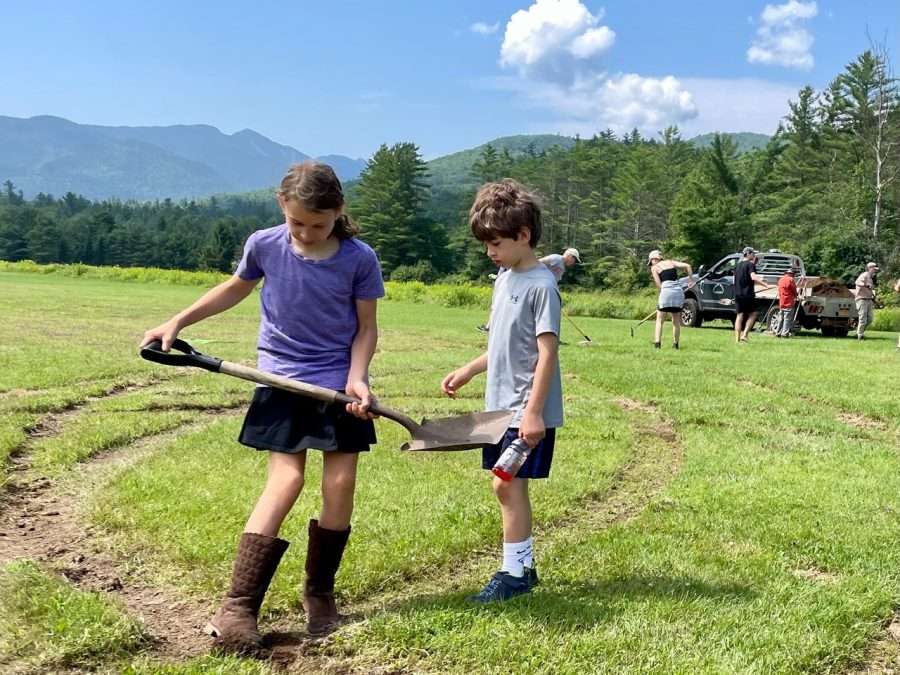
825	187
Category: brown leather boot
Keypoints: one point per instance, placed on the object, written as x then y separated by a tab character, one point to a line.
234	625
323	557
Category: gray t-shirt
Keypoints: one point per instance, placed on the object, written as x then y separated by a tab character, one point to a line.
556	264
524	305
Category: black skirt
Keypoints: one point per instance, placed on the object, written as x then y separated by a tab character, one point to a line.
281	421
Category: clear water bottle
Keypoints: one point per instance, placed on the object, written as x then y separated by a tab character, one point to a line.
512	459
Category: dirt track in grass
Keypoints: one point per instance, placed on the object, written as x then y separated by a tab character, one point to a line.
40	519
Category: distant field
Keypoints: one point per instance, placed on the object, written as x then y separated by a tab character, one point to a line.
719	509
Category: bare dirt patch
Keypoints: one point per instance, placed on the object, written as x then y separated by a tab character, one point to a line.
816	575
41	520
883	655
862	422
640	406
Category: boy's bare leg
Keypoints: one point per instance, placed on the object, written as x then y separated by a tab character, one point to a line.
749	325
338	487
283	485
515	508
738	324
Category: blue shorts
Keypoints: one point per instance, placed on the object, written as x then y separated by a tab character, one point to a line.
539	459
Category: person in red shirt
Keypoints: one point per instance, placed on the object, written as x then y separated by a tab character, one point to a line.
787	298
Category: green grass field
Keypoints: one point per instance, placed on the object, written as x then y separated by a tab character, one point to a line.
719	509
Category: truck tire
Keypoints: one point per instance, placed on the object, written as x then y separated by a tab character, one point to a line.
691	314
841	332
828	331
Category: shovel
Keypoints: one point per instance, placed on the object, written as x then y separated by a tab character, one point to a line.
460	432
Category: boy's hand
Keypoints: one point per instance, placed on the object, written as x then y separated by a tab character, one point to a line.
359	389
532	428
455	381
165	333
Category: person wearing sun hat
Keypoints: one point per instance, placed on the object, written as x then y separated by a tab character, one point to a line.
557	263
671	293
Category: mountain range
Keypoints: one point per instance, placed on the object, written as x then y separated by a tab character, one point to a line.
54	155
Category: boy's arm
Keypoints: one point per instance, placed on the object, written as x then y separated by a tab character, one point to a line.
461	376
361	352
532	426
224	296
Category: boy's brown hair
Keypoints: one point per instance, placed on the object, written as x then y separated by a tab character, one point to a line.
316	187
502	209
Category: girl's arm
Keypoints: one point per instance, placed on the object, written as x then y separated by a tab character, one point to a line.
224	296
361	352
532	426
655	276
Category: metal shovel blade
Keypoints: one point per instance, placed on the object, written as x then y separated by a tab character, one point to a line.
461	432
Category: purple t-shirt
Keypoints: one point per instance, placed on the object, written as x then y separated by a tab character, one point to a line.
308	318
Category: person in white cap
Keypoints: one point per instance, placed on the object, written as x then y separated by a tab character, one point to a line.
557	263
671	293
865	299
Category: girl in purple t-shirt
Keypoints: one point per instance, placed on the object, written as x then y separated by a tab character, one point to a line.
318	308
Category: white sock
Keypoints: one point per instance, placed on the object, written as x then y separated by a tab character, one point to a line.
517	556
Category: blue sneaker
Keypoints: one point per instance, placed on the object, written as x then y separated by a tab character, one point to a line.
503	586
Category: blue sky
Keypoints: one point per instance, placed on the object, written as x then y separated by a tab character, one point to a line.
343	77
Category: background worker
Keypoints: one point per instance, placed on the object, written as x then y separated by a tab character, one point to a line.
671	294
558	263
745	280
787	299
865	299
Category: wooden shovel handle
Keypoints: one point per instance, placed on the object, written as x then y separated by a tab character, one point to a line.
308	390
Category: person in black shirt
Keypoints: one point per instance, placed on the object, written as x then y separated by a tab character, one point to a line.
745	280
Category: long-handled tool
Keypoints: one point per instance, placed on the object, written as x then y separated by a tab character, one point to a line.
460	432
642	322
587	340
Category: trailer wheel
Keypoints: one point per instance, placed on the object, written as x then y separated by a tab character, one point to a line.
690	313
772	320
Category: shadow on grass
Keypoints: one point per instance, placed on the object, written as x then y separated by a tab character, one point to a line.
581	604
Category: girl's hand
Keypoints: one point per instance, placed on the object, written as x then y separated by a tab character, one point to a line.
165	333
455	381
532	429
359	389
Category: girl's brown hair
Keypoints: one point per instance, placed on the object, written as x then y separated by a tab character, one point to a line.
315	187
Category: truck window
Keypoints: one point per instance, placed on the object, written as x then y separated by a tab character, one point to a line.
724	269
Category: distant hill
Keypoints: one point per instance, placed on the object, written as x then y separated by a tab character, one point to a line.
455	170
745	140
53	155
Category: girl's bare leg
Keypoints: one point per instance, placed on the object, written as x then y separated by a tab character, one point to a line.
283	485
338	486
660	319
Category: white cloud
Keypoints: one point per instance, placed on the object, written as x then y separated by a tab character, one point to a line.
621	102
555	46
781	40
593	41
482	28
554	40
744	104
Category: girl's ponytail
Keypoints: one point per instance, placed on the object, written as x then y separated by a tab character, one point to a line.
344	227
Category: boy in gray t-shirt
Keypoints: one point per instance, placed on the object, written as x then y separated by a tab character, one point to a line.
522	368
